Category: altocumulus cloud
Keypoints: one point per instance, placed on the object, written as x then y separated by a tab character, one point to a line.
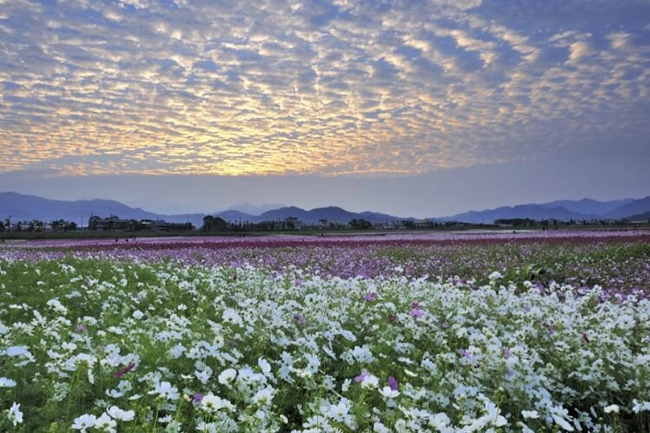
322	87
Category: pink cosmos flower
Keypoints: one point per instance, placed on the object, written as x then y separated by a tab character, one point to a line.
370	297
125	370
360	378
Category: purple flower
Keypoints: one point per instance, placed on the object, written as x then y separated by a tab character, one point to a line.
392	317
465	353
506	353
198	397
415	305
298	282
125	370
416	313
392	383
81	329
370	297
299	318
360	378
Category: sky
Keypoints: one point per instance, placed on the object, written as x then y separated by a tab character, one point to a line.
418	108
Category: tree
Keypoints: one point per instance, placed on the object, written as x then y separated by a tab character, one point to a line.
212	223
208	221
289	223
360	224
409	224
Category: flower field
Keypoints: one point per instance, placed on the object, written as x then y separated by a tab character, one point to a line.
483	332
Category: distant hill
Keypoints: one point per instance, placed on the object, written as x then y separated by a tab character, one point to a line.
20	207
635	207
589	206
331	214
562	210
532	211
639	217
235	215
252	209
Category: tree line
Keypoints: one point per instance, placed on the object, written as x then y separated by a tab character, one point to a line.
217	224
36	225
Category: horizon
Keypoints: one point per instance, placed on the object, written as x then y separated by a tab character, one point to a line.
273	207
405	108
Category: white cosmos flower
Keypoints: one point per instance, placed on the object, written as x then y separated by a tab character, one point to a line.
106	424
212	403
57	306
439	421
387	392
612	408
114	393
378	427
264	396
530	414
264	365
495	275
227	376
176	351
492	418
165	419
15	415
203	375
84	422
202	426
524	428
410	373
18	351
338	412
119	414
7	383
561	417
370	381
166	390
640	406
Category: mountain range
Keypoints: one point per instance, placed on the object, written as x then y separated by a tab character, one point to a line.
563	210
20	207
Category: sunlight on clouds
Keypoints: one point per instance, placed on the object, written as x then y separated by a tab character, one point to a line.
340	88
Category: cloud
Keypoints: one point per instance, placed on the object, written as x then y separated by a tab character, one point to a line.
579	50
326	87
